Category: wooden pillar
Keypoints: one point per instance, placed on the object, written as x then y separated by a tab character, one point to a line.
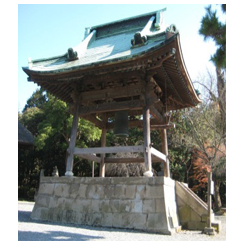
147	139
164	143
209	229
103	144
70	158
93	169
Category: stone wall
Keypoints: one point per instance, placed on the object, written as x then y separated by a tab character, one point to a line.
141	203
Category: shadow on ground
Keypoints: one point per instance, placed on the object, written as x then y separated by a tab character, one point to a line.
24	216
54	236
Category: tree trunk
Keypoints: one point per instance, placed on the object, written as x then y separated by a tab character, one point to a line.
221	86
217	200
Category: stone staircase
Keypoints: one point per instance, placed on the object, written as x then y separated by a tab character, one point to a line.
192	210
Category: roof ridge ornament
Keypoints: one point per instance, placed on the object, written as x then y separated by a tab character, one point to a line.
72	54
159	19
171	30
79	50
140	37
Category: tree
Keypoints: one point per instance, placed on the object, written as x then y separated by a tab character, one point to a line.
207	135
212	28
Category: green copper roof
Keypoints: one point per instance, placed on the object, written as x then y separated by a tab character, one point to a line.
109	42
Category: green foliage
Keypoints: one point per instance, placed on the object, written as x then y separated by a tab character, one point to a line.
49	121
212	28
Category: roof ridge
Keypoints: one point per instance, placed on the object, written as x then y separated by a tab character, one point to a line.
126	19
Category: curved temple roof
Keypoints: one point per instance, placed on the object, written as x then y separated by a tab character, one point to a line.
133	46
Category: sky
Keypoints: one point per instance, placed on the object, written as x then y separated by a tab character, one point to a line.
47	30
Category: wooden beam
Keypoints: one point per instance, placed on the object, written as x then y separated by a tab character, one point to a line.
109	150
111	107
130	160
163	126
131	124
156	114
111	76
154	124
91	157
112	93
158	154
93	119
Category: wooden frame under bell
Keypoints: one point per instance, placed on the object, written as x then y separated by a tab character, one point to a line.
146	106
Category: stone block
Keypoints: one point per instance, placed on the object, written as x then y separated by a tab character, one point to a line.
148	206
58	214
100	191
82	190
109	191
61	190
129	180
114	206
73	190
125	206
140	192
43	200
107	220
39	213
96	219
46	188
104	206
140	221
69	216
136	206
130	192
157	221
58	202
128	220
153	192
117	220
93	193
95	206
160	205
119	191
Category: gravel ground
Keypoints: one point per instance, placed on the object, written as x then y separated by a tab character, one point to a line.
29	230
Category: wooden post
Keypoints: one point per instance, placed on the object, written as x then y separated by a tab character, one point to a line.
93	169
147	139
164	143
209	229
209	200
70	158
103	144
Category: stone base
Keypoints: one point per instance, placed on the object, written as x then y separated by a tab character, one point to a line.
209	231
141	203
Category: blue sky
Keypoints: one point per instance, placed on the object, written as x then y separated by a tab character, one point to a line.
46	30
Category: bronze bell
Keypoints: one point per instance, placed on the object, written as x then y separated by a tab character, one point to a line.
121	124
